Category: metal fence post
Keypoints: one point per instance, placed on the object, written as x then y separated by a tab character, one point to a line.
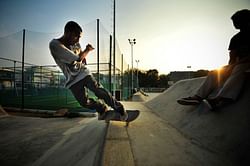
23	51
110	61
98	51
122	84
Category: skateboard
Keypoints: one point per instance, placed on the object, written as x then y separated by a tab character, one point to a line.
115	116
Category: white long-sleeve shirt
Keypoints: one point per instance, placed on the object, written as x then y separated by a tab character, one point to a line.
64	58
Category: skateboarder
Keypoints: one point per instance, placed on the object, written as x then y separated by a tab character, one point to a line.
71	59
229	79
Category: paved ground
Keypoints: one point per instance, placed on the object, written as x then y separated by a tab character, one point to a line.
151	141
51	141
167	133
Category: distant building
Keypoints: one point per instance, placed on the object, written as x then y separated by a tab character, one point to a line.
6	78
38	77
180	75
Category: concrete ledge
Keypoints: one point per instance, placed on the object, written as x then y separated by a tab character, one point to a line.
117	149
80	145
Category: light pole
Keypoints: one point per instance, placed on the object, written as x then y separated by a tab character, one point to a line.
132	43
189	72
137	61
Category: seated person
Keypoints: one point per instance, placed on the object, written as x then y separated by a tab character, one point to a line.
229	79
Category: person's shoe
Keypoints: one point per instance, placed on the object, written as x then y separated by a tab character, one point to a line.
101	109
124	117
123	114
211	104
101	115
214	103
192	100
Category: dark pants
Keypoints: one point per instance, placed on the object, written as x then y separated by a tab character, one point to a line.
226	83
80	93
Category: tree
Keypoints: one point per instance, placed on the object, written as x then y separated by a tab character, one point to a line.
163	81
152	77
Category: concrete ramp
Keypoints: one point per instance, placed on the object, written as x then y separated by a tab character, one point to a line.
139	97
225	132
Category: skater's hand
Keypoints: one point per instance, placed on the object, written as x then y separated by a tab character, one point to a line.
84	53
89	47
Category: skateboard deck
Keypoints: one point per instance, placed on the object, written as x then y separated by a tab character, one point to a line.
115	116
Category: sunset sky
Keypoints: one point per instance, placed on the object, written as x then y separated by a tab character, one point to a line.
170	34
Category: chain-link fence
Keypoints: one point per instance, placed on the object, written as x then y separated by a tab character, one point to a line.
29	77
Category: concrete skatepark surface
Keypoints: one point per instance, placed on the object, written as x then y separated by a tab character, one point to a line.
37	141
165	133
151	141
224	132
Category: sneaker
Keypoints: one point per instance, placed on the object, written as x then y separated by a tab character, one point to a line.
193	100
123	113
211	104
214	103
124	117
101	109
101	115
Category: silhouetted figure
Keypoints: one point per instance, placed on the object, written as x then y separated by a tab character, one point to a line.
69	56
228	81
